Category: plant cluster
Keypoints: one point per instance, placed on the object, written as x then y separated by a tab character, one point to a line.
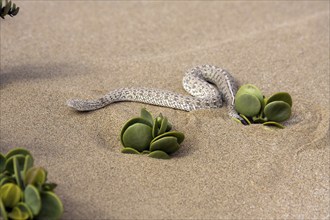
152	136
253	106
24	191
8	8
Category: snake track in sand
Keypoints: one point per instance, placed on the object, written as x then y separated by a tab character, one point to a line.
208	85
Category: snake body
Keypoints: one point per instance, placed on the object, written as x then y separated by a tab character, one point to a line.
208	85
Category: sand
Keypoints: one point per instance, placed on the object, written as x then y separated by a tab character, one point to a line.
56	50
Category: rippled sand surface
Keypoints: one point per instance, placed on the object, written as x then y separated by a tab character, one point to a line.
54	51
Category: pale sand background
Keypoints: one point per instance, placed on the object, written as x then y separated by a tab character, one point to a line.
53	51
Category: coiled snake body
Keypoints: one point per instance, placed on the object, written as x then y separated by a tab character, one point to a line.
209	86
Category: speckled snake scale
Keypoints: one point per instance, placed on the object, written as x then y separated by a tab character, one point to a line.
208	85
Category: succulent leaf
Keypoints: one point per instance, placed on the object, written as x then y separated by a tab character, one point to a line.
177	134
159	155
146	115
3	212
163	126
2	159
168	144
246	119
277	111
132	122
251	90
10	194
248	105
129	150
18	214
35	176
32	199
28	163
52	207
280	96
155	128
7	179
8	9
273	123
137	136
17	173
25	208
10	162
17	151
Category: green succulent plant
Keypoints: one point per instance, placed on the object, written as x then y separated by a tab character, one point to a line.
24	190
152	136
8	8
253	106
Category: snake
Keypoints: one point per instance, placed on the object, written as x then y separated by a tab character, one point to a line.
209	87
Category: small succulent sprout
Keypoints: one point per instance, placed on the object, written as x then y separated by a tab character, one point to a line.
145	135
10	194
280	96
159	155
277	111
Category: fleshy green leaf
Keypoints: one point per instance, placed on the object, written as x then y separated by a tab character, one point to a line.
137	136
2	159
129	150
163	126
17	151
280	96
177	134
168	144
32	199
25	208
273	123
28	163
3	212
146	115
132	122
17	172
246	119
18	214
251	90
277	111
35	176
52	207
10	194
159	155
248	105
10	162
